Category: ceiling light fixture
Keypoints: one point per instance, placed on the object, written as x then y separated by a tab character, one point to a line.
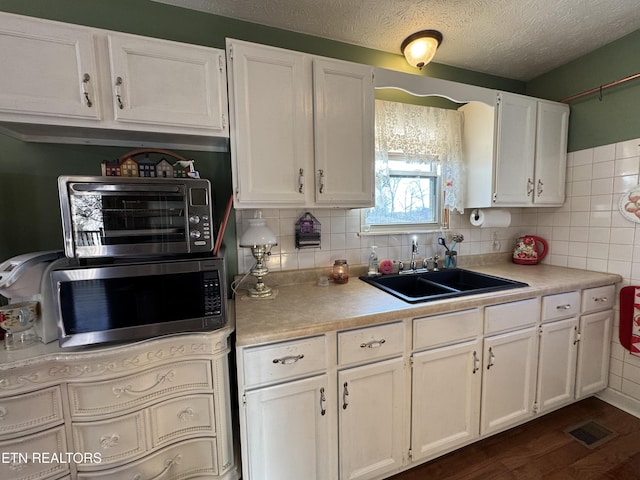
420	47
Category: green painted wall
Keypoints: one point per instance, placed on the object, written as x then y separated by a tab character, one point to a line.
594	122
29	216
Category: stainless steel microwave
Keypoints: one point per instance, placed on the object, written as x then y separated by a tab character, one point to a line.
126	301
135	216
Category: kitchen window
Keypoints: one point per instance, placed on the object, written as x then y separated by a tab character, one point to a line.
418	168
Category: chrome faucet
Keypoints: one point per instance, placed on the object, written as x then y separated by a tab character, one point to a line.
413	265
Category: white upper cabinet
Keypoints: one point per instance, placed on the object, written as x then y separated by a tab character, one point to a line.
167	83
515	144
531	151
302	129
516	152
551	153
343	127
48	69
67	83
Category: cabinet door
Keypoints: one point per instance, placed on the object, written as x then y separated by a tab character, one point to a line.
557	364
516	130
551	153
271	112
288	434
593	353
371	421
159	82
445	398
509	379
343	133
47	68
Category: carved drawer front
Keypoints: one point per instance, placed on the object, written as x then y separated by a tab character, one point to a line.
30	412
285	360
370	343
188	459
131	391
118	440
598	298
182	416
511	316
447	328
34	457
560	305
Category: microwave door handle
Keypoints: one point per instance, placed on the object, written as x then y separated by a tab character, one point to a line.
84	187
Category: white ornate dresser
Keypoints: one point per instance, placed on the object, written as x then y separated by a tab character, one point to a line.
154	409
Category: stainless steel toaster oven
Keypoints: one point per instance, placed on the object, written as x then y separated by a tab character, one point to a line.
135	216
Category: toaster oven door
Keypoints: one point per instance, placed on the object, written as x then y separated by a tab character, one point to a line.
130	219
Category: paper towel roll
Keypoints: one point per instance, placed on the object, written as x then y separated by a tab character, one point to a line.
491	218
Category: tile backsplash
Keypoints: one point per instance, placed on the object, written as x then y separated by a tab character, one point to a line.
587	232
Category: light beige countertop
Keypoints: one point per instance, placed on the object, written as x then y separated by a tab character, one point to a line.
301	307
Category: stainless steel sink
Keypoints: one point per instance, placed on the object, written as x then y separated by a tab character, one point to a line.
430	286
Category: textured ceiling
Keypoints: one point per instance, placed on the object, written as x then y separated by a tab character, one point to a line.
518	39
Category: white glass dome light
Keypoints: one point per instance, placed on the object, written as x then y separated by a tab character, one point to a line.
420	47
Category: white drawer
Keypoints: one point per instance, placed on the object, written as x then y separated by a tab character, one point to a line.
182	416
510	316
446	329
188	459
598	298
280	361
370	343
30	412
118	440
561	305
131	391
32	457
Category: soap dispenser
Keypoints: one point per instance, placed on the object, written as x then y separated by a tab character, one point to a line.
373	262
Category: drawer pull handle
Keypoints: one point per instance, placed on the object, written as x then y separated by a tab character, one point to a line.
476	362
168	464
109	441
600	299
86	78
492	358
288	360
345	396
160	379
3	413
323	400
118	94
564	307
373	344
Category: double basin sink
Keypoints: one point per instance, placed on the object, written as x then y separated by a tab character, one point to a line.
450	283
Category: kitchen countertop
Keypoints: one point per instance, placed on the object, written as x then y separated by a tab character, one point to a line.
301	307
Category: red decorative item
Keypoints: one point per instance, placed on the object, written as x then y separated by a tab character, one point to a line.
530	249
629	331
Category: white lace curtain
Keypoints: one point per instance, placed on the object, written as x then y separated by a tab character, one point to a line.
424	134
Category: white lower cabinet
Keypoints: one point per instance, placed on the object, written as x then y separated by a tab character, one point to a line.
367	403
508	379
445	392
290	431
557	364
371	419
593	353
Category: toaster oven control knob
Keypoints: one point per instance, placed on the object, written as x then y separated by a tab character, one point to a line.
195	234
195	219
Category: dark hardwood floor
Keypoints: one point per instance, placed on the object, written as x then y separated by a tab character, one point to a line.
541	449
